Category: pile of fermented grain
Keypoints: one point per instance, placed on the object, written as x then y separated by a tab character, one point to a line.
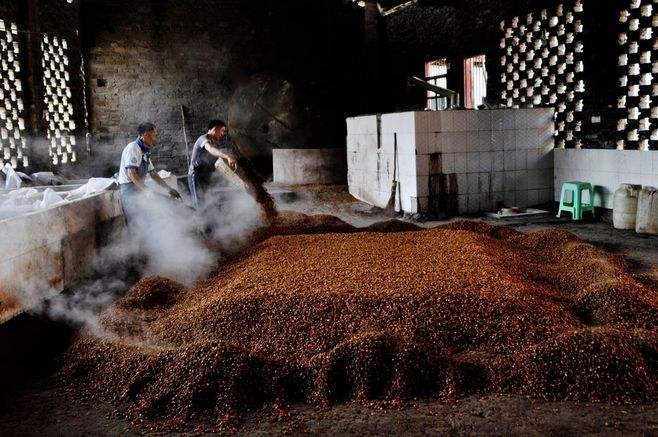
323	318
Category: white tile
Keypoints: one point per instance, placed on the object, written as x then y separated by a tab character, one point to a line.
483	120
423	204
461	165
422	142
462	203
497	140
498	161
540	118
532	159
460	142
484	182
545	195
509	198
435	144
459	121
462	183
472	162
472	141
447	121
422	121
497	117
654	156
509	140
647	167
448	162
521	159
521	139
473	203
545	161
472	119
510	181
508	119
546	179
606	162
498	181
485	141
532	179
522	119
522	198
435	118
522	180
422	165
486	162
473	180
486	202
630	178
509	160
497	200
422	187
534	139
448	142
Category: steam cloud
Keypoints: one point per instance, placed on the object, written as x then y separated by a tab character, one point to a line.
169	240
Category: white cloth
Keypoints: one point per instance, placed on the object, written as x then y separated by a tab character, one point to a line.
132	156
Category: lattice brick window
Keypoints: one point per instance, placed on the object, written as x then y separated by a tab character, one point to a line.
12	111
57	100
543	66
638	68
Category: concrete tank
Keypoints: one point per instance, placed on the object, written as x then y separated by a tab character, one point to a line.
309	166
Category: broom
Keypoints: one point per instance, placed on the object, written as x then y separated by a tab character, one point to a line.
390	206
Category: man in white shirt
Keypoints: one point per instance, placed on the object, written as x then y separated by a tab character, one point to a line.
135	165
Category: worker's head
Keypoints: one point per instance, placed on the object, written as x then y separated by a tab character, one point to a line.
148	133
217	130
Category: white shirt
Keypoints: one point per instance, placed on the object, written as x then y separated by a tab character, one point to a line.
133	157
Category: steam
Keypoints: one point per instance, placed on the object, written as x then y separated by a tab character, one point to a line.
167	239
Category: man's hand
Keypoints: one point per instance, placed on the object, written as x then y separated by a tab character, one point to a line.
174	194
232	162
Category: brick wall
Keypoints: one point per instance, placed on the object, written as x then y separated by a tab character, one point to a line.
147	59
55	18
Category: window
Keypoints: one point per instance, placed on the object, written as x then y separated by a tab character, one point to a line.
12	121
57	100
436	73
475	81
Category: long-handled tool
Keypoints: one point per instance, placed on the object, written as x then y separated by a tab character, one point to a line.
187	144
390	206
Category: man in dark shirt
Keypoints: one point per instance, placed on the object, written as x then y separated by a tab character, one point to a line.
206	152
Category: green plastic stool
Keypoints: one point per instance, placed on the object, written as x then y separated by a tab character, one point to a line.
576	207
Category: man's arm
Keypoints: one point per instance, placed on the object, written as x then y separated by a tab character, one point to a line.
214	151
158	180
133	174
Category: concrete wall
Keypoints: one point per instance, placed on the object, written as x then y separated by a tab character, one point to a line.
309	166
453	161
148	58
48	250
605	170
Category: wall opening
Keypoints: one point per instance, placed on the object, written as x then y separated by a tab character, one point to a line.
436	73
475	81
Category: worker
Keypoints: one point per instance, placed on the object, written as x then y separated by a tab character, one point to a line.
205	153
135	165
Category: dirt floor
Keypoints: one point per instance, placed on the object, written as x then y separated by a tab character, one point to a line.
43	408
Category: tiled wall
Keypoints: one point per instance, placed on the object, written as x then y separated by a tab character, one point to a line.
543	65
637	67
605	170
465	161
